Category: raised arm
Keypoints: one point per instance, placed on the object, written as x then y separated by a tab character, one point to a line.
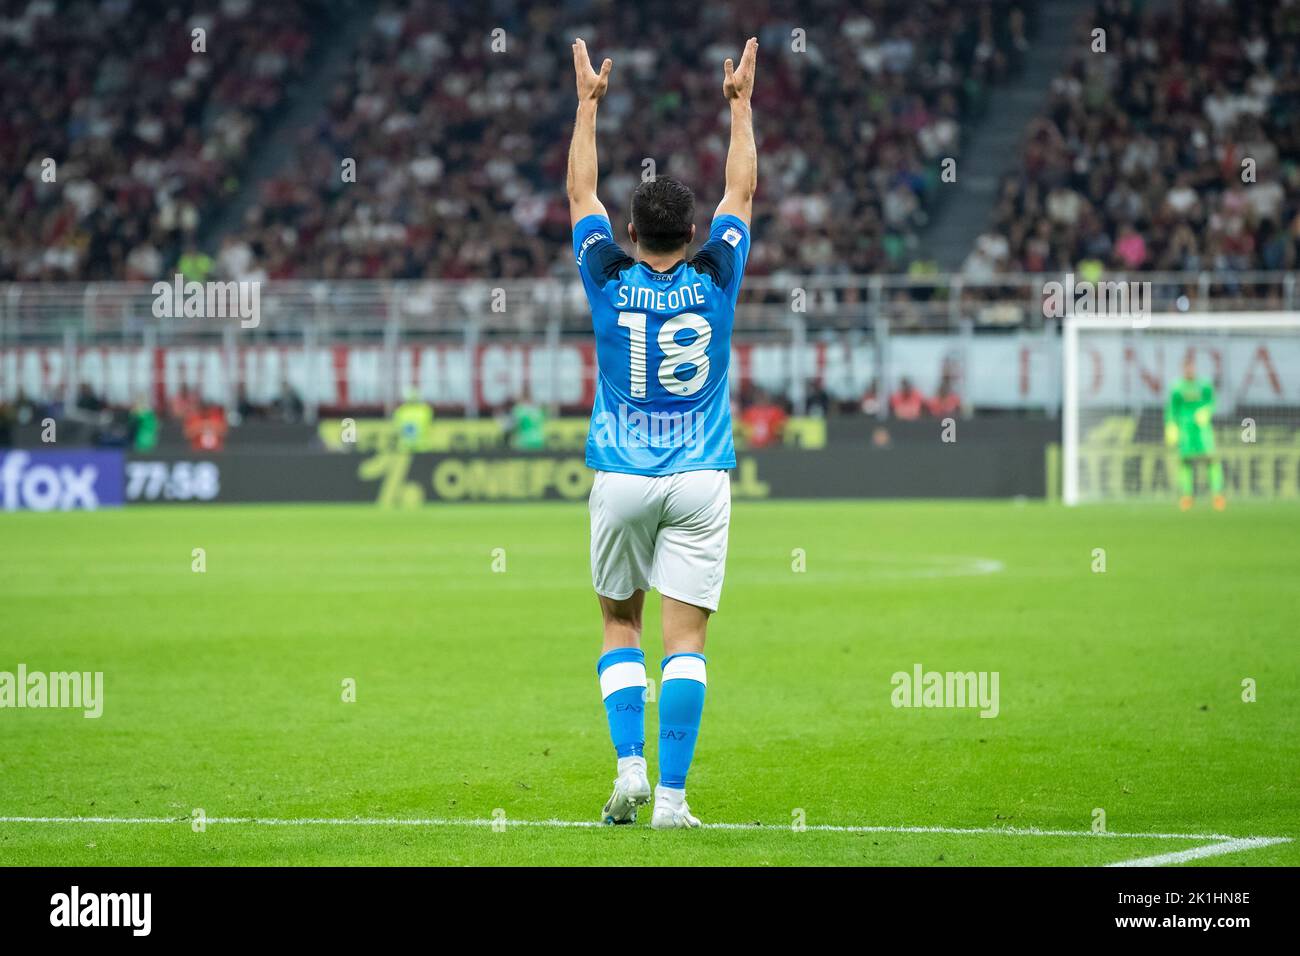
582	150
742	157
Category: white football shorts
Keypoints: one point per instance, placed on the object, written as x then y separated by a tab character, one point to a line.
667	532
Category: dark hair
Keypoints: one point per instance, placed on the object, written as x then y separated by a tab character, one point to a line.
663	211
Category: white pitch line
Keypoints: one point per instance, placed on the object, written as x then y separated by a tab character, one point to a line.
1222	839
1201	852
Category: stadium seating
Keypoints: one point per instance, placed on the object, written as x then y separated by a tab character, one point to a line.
146	134
1138	162
460	150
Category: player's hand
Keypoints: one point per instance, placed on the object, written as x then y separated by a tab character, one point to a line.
591	85
1203	416
738	83
1171	434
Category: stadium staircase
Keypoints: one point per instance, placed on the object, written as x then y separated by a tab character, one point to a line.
992	148
305	102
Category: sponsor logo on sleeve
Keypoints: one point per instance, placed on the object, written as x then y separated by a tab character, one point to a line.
590	241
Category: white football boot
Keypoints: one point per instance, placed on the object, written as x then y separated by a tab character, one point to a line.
671	811
631	790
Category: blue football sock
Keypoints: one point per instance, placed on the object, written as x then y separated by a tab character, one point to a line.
681	702
622	685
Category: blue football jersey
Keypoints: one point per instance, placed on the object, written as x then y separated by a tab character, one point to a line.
663	350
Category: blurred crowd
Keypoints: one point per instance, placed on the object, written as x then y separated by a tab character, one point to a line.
147	123
204	425
1178	148
762	415
460	149
127	123
92	419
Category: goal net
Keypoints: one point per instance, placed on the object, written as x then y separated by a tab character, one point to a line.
1118	374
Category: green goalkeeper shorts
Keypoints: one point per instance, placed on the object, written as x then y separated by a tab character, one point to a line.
1195	442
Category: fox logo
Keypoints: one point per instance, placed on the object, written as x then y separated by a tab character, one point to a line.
40	484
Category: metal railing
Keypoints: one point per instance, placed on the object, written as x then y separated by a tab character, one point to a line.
360	310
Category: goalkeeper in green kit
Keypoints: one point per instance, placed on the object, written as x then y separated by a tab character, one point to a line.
1188	425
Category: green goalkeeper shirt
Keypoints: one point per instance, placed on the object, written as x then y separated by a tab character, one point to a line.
1190	408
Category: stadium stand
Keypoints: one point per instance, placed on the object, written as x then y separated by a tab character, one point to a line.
459	136
146	133
460	150
1138	163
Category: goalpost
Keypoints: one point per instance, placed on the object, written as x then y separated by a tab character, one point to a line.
1116	375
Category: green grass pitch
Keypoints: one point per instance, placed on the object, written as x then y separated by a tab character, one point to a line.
477	696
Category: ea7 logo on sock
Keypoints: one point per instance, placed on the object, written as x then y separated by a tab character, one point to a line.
103	909
672	735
